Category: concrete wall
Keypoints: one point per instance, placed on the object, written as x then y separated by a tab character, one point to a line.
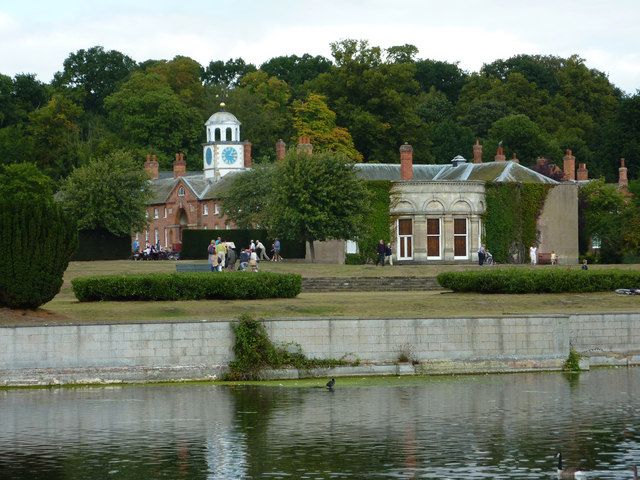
170	351
558	223
330	251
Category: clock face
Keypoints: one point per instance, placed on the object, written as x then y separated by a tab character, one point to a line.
229	155
208	156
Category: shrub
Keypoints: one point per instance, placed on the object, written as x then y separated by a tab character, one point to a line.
254	351
355	259
38	239
187	286
543	280
572	363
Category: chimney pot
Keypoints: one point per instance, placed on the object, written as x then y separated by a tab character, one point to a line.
406	162
477	152
281	149
569	164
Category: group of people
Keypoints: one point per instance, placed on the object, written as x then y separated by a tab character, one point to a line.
152	251
484	256
222	255
384	253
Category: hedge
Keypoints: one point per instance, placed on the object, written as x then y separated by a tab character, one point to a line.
195	242
543	280
102	245
187	286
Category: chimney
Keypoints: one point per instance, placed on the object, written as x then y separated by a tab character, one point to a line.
583	173
569	162
500	154
179	166
151	167
304	146
515	159
406	162
281	149
477	152
247	154
623	182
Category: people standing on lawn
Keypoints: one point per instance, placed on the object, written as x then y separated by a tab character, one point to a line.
381	250
482	255
554	257
261	251
221	250
533	255
388	254
231	256
253	261
252	245
276	251
245	256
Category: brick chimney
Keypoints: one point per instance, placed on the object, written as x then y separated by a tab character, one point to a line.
569	164
623	181
151	167
247	154
281	149
515	159
406	162
500	154
179	166
583	173
477	152
304	146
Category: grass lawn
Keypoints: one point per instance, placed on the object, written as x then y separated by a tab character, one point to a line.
65	309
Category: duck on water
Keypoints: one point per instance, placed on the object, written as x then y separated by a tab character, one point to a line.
571	472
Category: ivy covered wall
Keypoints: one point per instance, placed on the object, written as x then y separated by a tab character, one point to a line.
377	222
510	219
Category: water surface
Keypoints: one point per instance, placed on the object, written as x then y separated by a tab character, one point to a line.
476	427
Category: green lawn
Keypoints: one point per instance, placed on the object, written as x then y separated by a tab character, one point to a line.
65	309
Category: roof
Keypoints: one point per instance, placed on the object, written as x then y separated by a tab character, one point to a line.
203	188
488	172
222	117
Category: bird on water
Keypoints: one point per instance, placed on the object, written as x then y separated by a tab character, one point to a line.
331	383
571	472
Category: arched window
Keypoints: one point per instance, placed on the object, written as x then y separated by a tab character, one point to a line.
217	135
228	135
181	192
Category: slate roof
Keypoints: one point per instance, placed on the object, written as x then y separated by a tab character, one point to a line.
208	188
488	172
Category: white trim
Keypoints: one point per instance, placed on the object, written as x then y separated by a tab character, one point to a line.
402	239
205	209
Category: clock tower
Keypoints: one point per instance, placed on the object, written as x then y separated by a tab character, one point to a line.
224	152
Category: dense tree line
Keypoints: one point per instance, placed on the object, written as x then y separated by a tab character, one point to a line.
363	102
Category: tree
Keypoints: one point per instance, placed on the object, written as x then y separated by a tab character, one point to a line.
402	53
317	197
522	136
183	74
295	70
37	236
92	75
304	197
147	113
108	193
444	76
314	119
226	74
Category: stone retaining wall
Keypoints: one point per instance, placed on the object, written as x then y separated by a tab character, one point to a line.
202	350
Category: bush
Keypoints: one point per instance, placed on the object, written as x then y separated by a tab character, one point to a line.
254	351
543	280
187	286
355	259
38	239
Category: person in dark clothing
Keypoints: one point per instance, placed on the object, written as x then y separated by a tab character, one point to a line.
482	255
382	250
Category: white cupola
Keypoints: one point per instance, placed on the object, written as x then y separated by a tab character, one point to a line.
224	152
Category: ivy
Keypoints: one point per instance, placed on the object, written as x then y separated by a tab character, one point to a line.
510	221
377	222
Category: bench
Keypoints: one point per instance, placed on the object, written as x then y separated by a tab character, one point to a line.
544	258
192	267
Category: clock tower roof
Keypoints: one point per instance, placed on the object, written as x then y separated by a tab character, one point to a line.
222	118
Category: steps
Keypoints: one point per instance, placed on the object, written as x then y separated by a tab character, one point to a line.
369	284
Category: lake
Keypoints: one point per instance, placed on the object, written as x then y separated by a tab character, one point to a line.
454	427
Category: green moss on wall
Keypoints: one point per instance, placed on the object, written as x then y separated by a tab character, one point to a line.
510	219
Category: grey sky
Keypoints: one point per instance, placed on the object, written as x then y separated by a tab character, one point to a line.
37	35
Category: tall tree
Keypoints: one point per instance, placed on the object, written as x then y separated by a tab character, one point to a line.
226	74
295	70
92	75
314	119
108	193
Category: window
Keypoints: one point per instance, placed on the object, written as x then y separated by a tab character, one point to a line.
155	213
166	237
181	192
165	212
405	239
596	243
215	227
216	209
156	236
146	214
433	238
227	226
460	238
146	235
205	209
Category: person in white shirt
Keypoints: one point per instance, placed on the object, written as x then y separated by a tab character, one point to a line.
262	252
253	261
533	255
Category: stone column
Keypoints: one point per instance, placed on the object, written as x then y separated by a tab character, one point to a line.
447	238
420	238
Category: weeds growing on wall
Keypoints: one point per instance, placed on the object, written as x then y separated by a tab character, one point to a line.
510	220
572	364
255	351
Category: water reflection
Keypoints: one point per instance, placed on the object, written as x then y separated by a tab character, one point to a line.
490	426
